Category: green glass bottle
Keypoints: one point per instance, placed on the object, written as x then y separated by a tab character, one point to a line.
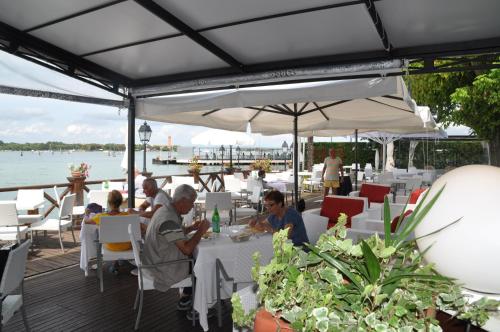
216	221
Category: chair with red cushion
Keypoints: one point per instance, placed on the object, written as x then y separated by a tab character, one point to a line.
415	194
333	206
374	192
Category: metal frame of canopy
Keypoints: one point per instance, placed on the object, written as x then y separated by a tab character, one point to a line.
42	33
365	104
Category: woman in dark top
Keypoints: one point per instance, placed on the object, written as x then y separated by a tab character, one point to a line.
282	217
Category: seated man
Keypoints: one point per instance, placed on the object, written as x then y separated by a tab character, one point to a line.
155	198
166	240
282	217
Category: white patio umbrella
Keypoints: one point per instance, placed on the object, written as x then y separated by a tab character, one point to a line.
303	108
222	137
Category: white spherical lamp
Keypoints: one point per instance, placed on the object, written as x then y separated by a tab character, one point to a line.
469	250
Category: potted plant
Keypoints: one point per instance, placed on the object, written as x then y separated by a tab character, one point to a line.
81	170
195	167
375	285
261	164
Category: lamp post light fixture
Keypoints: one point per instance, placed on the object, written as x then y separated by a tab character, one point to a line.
144	135
238	151
284	147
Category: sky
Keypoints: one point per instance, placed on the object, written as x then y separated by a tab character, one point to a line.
29	119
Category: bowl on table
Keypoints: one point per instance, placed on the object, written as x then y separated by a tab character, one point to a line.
240	236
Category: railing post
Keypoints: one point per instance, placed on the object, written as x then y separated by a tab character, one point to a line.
76	185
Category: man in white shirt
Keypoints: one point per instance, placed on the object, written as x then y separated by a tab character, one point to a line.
330	175
155	198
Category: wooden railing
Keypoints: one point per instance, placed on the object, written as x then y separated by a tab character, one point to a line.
78	186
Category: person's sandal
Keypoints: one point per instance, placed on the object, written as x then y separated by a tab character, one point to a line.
184	303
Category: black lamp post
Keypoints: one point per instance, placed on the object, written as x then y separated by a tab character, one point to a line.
284	147
238	151
222	149
144	135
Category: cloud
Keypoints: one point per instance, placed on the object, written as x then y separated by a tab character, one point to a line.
25	112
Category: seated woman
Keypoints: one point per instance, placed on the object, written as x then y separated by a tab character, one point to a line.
115	199
282	217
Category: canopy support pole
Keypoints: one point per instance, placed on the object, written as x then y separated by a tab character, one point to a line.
231	157
131	153
295	158
384	155
356	159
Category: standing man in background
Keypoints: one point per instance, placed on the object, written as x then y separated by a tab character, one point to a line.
330	175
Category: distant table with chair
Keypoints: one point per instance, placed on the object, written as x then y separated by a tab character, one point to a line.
236	258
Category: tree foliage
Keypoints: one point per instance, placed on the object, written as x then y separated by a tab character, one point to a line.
479	104
465	98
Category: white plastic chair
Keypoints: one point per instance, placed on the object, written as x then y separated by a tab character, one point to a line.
12	280
232	184
239	274
315	226
146	281
254	200
224	205
60	224
11	228
78	210
99	197
30	198
114	229
368	173
315	180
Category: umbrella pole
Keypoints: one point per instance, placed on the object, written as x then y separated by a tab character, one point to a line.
131	153
295	161
356	159
230	156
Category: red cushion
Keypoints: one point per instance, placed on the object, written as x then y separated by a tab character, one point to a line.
415	194
394	222
332	207
374	193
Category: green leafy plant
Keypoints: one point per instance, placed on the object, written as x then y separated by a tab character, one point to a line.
375	285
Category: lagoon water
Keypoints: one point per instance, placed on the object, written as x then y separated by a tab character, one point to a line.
45	167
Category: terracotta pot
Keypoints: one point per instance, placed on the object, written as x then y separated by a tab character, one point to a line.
76	174
265	322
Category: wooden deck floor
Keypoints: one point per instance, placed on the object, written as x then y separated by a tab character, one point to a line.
64	300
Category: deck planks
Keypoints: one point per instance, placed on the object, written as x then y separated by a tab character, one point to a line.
65	300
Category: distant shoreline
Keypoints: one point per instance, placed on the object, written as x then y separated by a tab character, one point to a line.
82	147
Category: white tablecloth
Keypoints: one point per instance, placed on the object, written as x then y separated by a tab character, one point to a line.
230	253
279	185
88	250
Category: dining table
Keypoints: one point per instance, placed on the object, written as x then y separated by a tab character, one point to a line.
235	259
